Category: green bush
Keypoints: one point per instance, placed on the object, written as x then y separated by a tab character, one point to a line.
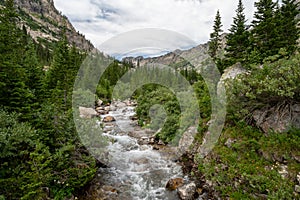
161	96
267	84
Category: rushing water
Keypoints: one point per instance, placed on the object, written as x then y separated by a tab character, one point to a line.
135	171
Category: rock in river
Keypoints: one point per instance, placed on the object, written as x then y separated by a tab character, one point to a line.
87	113
109	119
174	183
187	192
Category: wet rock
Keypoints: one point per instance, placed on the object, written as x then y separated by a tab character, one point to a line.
112	108
127	102
87	113
107	108
144	147
133	103
133	118
109	119
298	178
100	164
99	108
120	104
99	102
173	184
160	142
141	161
109	189
107	129
187	192
103	112
143	141
155	148
152	140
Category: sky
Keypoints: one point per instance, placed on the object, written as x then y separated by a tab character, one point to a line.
102	21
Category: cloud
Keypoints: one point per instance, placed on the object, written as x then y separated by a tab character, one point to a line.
101	20
145	42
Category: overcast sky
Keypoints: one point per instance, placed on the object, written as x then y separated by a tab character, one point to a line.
100	20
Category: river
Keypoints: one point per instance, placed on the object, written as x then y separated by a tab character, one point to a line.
136	171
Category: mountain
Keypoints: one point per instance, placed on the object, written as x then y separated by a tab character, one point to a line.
179	58
44	23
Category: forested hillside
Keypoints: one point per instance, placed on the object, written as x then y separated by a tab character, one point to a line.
41	155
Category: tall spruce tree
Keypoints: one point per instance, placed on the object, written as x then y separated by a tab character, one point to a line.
215	36
264	35
237	39
14	94
61	76
287	25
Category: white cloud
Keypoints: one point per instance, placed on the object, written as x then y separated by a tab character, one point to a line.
101	20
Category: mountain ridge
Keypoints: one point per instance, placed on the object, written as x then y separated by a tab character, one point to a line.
179	58
45	24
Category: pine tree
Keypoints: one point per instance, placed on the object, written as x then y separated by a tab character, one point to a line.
287	25
63	71
14	94
264	36
215	37
237	39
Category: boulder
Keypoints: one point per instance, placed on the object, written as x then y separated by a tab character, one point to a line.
99	108
99	102
279	118
187	139
128	103
187	192
120	104
112	108
103	112
143	141
107	108
134	118
87	113
109	119
174	183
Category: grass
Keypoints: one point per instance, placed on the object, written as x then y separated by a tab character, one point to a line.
249	169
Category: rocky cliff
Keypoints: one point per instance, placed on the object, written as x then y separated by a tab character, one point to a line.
45	23
180	59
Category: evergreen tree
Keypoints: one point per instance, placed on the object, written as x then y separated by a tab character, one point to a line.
14	94
33	68
237	39
264	36
215	39
287	25
61	76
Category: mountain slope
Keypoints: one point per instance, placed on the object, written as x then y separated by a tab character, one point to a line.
45	23
180	59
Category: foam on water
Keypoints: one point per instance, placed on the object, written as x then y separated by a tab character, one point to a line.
137	171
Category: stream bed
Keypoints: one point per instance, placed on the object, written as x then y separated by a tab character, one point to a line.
136	171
